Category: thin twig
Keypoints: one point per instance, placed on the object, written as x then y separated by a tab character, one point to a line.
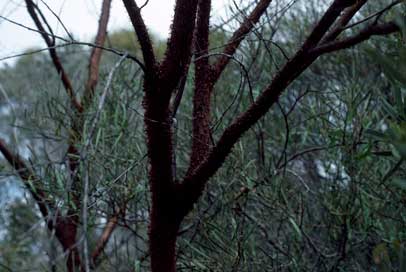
83	158
59	20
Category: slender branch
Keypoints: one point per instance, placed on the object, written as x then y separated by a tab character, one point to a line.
145	4
238	36
59	20
343	21
363	35
68	43
376	14
107	49
64	227
328	19
202	88
178	53
104	238
32	10
96	54
134	12
29	178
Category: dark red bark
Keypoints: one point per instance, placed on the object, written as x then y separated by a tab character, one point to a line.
172	201
202	88
163	232
137	21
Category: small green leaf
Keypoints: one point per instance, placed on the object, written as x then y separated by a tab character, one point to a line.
296	227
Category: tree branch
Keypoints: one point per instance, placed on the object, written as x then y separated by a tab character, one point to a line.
343	21
202	88
194	183
158	117
363	35
29	178
105	237
134	12
375	15
238	36
328	19
96	54
65	227
178	52
32	10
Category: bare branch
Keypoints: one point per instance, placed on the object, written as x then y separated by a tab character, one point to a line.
28	177
202	91
134	12
343	21
363	35
375	15
59	20
194	183
238	36
32	10
104	238
178	53
328	19
96	54
108	49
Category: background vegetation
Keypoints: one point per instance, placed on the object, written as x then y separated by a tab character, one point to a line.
319	184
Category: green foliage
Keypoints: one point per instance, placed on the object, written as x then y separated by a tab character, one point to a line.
317	185
126	40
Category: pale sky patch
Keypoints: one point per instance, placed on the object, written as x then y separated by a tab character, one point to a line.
80	17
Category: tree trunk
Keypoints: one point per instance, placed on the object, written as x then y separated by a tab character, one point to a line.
162	243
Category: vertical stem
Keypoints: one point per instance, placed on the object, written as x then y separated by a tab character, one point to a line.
162	240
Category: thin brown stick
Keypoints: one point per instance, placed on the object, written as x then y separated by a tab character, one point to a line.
238	36
363	35
343	21
28	177
105	237
325	23
375	15
96	54
32	10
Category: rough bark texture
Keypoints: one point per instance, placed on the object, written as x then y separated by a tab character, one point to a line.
158	88
171	200
137	21
202	89
163	233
